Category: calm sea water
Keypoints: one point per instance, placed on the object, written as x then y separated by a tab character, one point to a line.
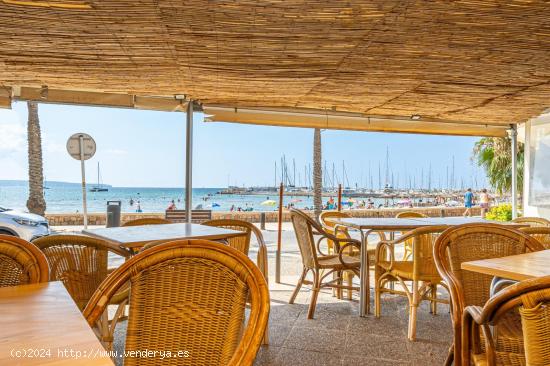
63	197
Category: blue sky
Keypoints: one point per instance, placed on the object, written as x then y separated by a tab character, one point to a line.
147	149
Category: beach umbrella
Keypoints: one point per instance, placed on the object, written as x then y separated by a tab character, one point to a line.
269	203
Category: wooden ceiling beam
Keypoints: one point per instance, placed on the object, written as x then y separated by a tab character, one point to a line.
347	121
99	99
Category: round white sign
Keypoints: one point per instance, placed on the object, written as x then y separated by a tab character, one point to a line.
88	146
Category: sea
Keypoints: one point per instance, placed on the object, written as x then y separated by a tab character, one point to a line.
64	197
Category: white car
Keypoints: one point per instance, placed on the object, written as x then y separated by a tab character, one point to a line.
25	225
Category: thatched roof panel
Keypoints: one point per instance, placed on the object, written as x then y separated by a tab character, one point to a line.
471	60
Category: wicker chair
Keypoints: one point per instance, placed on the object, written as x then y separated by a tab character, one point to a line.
242	243
532	299
21	262
147	221
190	295
315	261
470	242
80	262
407	252
541	233
342	232
420	270
532	221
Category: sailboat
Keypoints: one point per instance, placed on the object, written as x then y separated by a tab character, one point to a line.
99	186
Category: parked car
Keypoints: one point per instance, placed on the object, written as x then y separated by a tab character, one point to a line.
25	225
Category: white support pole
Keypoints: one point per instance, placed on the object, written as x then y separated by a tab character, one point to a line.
514	138
83	170
189	162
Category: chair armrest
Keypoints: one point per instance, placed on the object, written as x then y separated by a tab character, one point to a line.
473	319
347	243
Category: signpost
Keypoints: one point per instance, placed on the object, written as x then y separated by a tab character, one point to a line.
81	146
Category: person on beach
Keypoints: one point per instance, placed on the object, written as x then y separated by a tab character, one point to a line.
172	206
138	209
468	202
131	201
484	202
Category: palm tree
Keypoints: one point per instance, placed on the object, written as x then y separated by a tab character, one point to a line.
36	203
317	173
494	154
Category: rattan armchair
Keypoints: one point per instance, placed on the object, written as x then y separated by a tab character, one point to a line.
407	247
190	295
470	242
541	233
326	218
532	221
147	221
242	243
532	299
320	264
419	270
21	262
81	263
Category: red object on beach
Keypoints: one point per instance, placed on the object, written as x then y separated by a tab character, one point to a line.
339	197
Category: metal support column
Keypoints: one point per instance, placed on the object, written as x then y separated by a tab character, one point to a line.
514	138
189	162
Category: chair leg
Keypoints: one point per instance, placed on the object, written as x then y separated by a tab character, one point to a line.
450	356
298	285
265	339
377	292
339	292
413	306
350	284
314	293
433	304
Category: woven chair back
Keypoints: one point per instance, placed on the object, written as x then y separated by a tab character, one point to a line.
532	221
303	228
541	233
326	216
471	242
241	243
422	251
409	214
190	295
328	224
80	262
21	262
535	323
147	221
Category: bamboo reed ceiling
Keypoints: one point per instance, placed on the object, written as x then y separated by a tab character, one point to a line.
479	61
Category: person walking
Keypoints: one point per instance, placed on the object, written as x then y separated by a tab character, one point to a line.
468	202
484	202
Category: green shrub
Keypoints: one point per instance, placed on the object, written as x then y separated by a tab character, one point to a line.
500	213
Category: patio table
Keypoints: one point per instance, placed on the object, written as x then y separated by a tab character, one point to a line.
41	325
135	237
367	225
515	267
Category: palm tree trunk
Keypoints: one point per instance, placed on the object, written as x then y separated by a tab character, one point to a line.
317	173
36	203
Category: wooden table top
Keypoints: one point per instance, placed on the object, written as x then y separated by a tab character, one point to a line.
137	236
409	223
43	317
515	267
